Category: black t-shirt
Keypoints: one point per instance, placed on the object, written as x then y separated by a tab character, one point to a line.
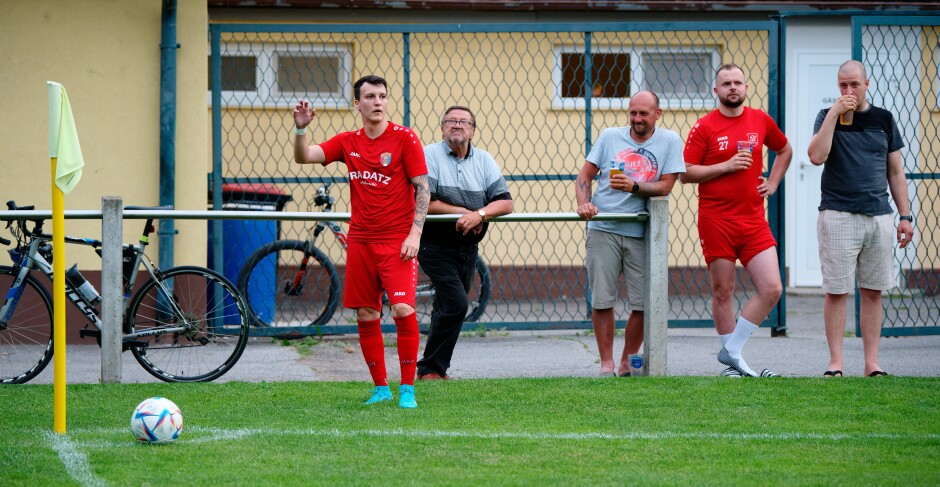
855	176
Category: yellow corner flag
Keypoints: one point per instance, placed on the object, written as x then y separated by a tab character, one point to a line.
66	158
63	139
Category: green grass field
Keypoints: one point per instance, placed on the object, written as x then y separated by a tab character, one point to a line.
644	431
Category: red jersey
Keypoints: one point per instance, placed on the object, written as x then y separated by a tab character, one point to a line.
714	139
380	172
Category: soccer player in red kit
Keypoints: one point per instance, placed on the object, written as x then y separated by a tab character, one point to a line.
723	153
388	181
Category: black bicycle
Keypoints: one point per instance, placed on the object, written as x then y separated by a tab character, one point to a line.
185	324
293	283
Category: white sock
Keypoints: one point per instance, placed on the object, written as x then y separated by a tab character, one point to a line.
742	331
724	339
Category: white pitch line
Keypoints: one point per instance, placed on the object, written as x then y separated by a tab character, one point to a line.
73	459
223	434
77	465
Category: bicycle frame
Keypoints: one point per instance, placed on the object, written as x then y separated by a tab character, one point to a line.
33	259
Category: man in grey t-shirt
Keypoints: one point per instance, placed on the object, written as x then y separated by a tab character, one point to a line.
634	163
859	147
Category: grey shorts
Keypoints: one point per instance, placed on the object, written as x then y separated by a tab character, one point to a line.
853	243
609	255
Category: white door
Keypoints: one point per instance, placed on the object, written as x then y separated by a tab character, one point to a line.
817	88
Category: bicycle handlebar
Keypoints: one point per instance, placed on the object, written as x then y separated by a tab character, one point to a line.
11	204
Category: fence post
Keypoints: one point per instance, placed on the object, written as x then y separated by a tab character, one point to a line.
112	293
656	299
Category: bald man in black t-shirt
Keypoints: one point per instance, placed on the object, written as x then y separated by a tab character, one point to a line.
859	147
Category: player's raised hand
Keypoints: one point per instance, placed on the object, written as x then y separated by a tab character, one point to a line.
303	114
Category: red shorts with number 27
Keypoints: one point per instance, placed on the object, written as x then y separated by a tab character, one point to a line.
734	239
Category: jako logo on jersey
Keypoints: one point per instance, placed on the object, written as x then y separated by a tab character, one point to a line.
370	175
399	293
386	158
354	154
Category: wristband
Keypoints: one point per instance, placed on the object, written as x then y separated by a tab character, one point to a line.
909	218
300	131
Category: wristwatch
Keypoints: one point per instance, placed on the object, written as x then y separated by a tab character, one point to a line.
635	188
909	218
482	214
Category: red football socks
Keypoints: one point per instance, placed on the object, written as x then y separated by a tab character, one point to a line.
373	350
408	342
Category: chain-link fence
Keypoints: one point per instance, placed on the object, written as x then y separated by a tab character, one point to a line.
902	55
541	94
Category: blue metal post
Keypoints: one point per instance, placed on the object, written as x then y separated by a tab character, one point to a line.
406	64
216	237
168	47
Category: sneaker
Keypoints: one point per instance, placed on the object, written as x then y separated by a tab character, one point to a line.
768	373
731	372
726	358
380	394
406	397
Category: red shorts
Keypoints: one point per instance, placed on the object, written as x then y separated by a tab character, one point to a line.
374	267
734	239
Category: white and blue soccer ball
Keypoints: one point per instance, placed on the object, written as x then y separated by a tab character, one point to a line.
157	420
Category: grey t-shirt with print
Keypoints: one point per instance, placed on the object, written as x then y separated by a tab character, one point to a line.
658	155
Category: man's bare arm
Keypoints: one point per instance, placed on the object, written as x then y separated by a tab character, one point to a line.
422	201
409	248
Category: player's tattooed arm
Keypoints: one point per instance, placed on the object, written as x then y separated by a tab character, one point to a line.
412	243
422	199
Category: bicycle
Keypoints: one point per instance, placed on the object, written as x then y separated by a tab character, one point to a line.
292	282
185	324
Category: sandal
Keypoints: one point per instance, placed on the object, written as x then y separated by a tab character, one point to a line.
877	373
832	373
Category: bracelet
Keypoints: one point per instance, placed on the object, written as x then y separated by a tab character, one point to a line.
300	131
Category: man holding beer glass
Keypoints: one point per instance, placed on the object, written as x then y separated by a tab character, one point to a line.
861	158
635	163
723	154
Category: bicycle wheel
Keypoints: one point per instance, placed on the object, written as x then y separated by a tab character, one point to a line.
26	336
478	296
479	292
211	314
278	293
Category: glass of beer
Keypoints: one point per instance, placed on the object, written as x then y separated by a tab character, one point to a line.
616	168
744	146
845	118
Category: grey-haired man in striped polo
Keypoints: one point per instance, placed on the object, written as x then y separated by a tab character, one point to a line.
464	180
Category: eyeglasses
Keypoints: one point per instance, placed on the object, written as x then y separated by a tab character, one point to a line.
459	123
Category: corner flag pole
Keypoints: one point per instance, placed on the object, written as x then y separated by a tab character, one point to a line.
65	154
58	299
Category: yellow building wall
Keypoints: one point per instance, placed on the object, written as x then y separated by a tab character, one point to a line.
107	55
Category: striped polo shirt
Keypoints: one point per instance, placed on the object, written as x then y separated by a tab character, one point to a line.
471	183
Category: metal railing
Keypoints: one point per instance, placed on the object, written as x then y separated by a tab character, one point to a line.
656	297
